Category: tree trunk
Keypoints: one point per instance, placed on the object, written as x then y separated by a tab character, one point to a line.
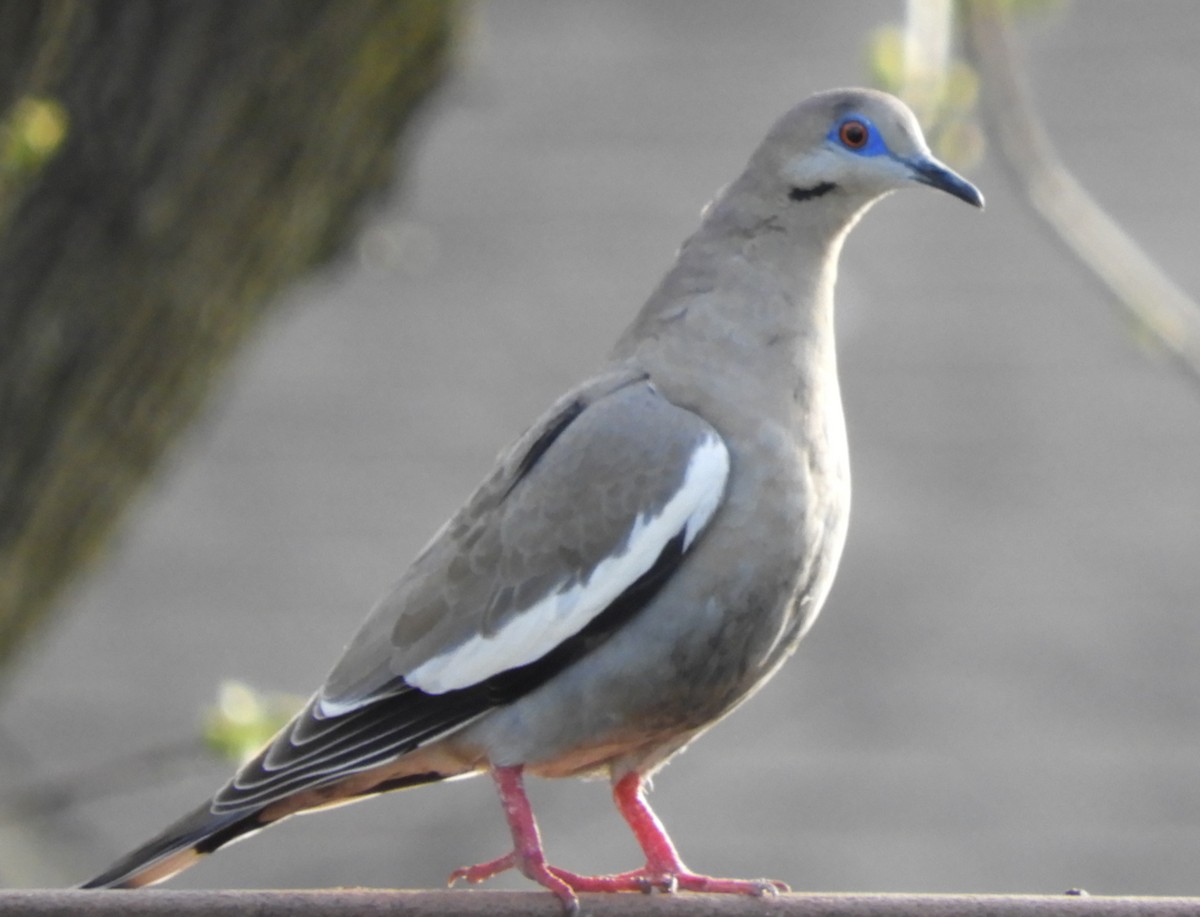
166	167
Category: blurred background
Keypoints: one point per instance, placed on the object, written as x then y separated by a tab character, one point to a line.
1002	694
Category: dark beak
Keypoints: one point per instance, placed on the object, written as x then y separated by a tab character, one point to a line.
928	171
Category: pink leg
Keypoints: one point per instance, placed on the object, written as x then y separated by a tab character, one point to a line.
664	869
526	855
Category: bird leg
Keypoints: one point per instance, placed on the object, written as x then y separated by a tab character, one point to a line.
664	869
527	855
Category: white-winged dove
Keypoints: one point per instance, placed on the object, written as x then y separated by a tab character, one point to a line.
641	560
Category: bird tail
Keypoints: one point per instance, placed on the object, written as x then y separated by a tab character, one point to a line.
201	832
177	848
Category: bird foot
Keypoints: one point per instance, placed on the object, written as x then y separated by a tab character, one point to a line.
565	884
669	881
481	872
664	870
535	869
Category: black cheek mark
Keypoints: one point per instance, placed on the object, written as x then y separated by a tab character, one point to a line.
807	194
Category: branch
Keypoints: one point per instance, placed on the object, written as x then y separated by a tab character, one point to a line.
376	903
1139	286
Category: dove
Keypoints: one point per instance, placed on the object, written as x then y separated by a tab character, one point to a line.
638	562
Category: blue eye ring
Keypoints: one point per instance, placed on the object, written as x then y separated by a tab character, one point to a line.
857	134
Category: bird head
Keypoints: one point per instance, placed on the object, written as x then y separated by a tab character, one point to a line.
857	144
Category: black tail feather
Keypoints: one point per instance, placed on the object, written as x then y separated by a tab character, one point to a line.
203	831
175	848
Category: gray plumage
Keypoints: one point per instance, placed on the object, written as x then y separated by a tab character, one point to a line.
645	556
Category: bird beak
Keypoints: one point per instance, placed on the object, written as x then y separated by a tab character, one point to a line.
928	171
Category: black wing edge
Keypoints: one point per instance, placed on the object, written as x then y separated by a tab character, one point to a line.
542	444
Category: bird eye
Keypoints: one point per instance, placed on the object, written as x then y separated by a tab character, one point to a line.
854	134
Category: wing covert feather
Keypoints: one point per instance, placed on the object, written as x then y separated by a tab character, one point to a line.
539	545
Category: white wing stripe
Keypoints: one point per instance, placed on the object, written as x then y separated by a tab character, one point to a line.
537	630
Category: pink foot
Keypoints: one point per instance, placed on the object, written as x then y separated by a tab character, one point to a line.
544	875
649	880
481	872
664	871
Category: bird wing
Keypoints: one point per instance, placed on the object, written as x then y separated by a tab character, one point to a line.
583	520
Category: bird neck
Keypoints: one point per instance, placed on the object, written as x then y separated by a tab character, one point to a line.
753	290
